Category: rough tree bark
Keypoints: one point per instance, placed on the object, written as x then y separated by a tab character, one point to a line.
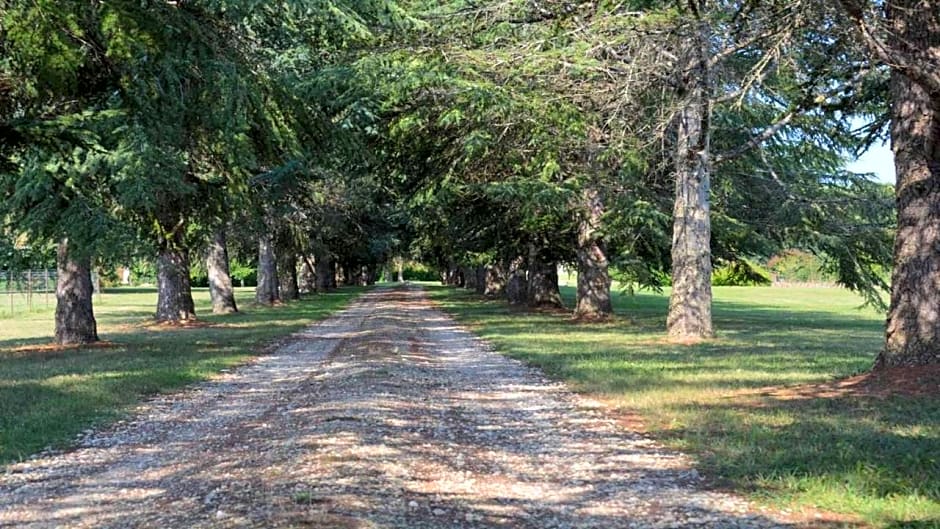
543	282
690	305
266	292
593	277
220	282
516	284
287	275
494	280
913	329
401	271
174	294
74	315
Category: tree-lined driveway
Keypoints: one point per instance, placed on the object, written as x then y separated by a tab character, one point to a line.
387	414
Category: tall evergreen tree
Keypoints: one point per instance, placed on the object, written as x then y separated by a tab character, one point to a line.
905	35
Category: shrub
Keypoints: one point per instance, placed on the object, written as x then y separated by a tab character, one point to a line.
414	271
740	273
797	266
143	272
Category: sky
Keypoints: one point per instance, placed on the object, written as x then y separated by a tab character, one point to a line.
878	160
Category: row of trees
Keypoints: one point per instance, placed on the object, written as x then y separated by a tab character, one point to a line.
567	132
551	131
163	129
643	140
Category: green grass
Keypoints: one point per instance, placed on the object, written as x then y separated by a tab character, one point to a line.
878	459
47	397
17	304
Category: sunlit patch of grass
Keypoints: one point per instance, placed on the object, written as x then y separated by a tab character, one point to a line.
49	396
873	457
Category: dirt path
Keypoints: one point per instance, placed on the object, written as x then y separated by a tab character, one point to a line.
385	415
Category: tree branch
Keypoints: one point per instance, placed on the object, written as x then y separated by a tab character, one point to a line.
757	139
917	66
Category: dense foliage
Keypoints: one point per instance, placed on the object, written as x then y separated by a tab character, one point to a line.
330	138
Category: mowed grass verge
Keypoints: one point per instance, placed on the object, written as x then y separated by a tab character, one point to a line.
48	396
876	458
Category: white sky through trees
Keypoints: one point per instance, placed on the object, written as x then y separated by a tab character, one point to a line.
878	160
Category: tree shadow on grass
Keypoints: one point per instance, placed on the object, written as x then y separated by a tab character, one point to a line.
136	326
873	449
878	451
48	395
646	313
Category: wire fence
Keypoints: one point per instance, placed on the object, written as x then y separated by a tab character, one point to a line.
26	290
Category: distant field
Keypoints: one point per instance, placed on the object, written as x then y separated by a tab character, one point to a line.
867	456
47	396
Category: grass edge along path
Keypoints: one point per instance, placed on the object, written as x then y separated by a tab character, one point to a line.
48	395
872	458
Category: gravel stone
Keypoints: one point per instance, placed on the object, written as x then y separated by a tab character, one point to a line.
388	414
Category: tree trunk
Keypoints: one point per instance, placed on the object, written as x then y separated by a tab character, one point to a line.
516	284
479	284
186	287
350	275
266	292
96	282
401	271
494	280
334	274
912	335
593	277
174	295
74	315
543	282
690	305
307	282
325	274
287	275
452	276
220	282
469	277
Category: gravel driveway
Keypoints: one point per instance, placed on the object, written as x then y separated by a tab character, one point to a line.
385	415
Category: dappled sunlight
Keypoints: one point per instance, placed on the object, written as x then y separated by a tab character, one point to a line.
765	407
389	416
66	390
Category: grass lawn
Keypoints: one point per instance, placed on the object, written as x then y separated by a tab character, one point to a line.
877	458
48	396
18	304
